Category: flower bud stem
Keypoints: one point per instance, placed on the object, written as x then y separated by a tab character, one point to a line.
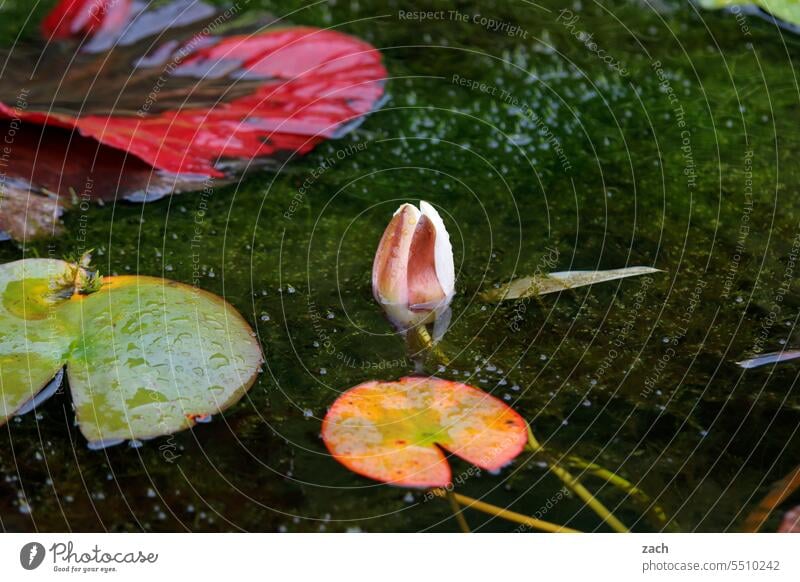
420	347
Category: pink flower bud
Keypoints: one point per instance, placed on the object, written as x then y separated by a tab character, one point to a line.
413	276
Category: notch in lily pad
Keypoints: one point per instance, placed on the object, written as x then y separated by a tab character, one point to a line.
399	432
144	356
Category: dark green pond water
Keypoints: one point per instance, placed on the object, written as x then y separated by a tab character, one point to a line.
676	147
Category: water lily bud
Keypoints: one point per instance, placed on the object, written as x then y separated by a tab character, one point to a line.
413	276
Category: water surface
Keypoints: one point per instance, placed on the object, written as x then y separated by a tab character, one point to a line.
671	141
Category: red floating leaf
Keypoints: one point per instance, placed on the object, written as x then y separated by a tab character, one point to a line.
156	83
397	432
75	18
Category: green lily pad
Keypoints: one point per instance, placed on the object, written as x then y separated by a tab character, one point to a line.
398	432
144	356
560	281
788	10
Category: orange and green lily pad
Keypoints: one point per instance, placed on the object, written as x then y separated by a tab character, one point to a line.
144	356
398	432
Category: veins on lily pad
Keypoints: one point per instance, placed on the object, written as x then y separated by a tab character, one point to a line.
144	356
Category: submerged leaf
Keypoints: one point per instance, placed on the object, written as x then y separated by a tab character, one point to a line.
144	356
771	358
560	281
777	495
145	99
397	432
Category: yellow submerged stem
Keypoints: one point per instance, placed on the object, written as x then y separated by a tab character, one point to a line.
578	489
457	511
512	516
623	484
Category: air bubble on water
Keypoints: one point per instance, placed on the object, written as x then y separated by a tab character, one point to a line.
264	317
135	443
409	497
308	413
150	492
